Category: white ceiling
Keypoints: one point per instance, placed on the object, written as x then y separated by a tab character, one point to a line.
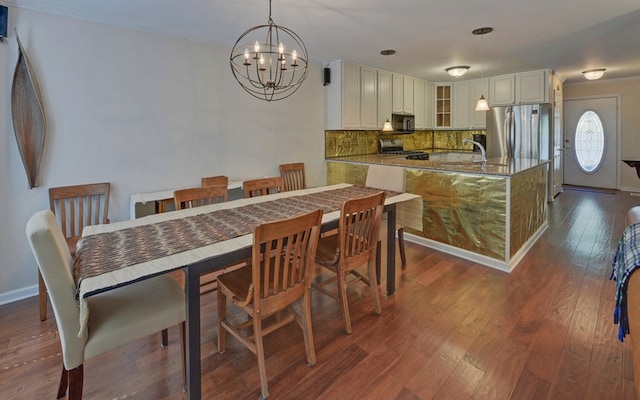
568	36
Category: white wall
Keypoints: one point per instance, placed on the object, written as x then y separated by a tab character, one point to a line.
144	112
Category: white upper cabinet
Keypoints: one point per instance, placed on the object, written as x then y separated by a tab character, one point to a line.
408	95
384	97
460	101
502	90
533	87
418	103
429	104
352	97
521	88
402	100
368	98
479	87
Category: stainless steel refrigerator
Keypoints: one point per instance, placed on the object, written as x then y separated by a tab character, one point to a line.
521	131
524	131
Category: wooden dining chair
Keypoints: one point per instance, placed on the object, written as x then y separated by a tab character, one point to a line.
117	317
354	246
389	178
219	180
199	196
279	275
293	176
196	197
262	186
75	207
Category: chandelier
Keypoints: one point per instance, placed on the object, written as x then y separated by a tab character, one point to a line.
269	61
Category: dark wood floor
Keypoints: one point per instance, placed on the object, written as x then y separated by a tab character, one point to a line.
453	330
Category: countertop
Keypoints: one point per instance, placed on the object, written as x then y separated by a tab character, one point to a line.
495	166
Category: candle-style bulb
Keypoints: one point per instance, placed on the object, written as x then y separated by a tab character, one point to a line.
281	48
294	55
246	54
256	46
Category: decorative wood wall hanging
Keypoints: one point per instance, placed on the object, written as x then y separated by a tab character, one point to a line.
27	110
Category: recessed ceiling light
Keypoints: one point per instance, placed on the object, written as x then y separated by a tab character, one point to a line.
388	52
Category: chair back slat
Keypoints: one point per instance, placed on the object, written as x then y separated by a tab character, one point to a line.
283	259
359	227
293	176
78	206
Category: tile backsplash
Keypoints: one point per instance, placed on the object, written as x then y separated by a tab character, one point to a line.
351	143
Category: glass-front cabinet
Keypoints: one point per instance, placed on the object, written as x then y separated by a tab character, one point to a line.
443	105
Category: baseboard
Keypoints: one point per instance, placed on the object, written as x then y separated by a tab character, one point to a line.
479	258
20	294
458	252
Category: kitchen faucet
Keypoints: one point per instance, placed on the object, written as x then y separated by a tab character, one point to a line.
483	152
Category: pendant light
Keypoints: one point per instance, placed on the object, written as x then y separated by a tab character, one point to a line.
269	61
482	102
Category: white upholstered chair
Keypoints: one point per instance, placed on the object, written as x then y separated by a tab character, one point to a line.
116	317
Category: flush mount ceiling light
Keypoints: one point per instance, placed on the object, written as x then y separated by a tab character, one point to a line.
269	61
593	74
458	70
482	104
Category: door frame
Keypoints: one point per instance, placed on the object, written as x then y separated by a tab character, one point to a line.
618	128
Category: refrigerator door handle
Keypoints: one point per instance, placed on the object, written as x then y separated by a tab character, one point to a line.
511	133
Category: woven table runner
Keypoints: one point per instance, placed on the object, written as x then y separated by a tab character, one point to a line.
105	252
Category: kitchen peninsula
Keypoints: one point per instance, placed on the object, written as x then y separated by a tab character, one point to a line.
491	215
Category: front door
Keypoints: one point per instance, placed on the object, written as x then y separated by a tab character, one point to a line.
591	142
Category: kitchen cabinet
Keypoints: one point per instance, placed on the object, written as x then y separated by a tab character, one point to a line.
478	87
521	88
418	103
384	97
460	110
402	98
502	90
533	87
368	98
429	108
443	105
352	97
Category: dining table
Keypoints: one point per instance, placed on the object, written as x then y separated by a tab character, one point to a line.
208	238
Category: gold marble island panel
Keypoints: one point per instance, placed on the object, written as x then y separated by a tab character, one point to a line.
528	207
491	215
462	210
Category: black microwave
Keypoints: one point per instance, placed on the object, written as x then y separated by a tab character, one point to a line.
403	123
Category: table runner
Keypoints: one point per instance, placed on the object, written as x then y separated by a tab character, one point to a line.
111	242
101	253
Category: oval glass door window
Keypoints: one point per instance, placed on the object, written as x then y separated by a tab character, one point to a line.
589	142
